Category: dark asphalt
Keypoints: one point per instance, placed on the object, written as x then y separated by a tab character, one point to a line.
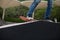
40	30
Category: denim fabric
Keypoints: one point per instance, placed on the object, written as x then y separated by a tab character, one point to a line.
48	10
34	5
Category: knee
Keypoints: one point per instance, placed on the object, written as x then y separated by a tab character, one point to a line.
37	1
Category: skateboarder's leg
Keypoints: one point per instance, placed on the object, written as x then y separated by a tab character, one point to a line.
31	9
48	11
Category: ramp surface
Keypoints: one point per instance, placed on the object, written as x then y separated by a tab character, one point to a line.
39	30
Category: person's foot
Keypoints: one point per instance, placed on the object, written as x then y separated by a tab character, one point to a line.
48	20
26	18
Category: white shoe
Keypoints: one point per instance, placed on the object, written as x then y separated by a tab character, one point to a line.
49	20
30	18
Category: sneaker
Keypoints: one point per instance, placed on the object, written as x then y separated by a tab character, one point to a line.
30	18
26	18
49	20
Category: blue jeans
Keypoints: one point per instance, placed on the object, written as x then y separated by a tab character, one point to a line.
34	5
48	10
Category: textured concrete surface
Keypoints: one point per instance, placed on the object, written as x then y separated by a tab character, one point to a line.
12	3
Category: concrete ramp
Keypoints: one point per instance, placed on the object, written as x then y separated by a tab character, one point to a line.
39	30
57	2
42	4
